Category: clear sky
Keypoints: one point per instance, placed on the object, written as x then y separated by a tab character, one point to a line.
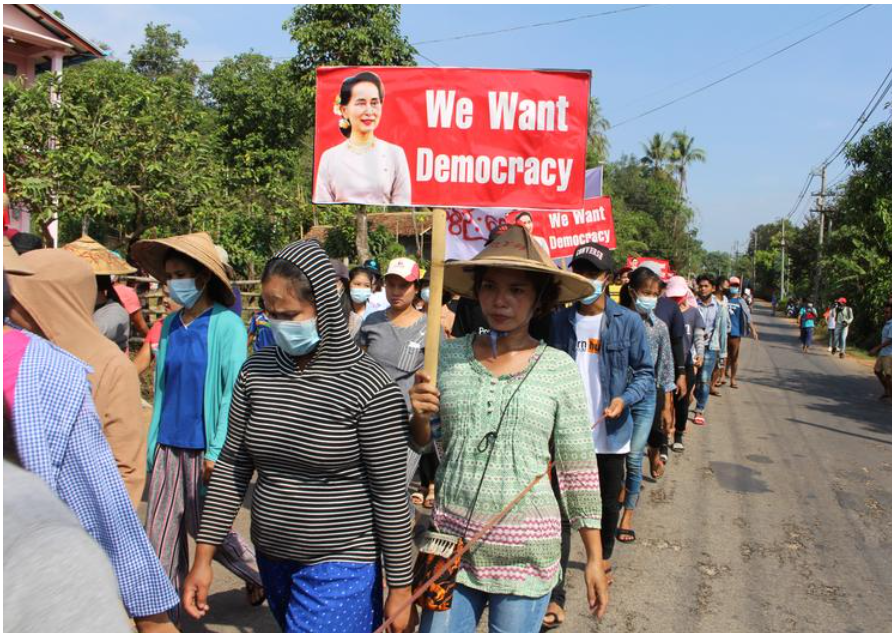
762	130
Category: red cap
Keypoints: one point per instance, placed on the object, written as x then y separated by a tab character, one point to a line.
842	300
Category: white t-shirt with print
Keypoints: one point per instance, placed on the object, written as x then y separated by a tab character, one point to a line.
588	360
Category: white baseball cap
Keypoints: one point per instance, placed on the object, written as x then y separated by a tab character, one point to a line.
405	268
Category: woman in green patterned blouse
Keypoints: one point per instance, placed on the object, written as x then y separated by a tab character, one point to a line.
516	404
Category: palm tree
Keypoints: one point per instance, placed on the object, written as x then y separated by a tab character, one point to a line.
657	152
683	154
598	145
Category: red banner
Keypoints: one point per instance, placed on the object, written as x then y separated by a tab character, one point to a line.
451	137
560	232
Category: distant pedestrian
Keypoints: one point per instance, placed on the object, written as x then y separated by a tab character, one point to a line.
715	318
741	325
830	317
883	366
360	283
651	426
844	318
694	348
808	318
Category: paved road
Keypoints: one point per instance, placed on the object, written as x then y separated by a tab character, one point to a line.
778	517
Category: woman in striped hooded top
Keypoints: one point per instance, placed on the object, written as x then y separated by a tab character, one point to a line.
325	429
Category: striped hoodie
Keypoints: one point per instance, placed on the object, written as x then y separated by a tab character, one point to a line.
328	445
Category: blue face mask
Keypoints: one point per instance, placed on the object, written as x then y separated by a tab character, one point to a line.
297	338
184	293
645	305
598	286
734	290
360	295
426	295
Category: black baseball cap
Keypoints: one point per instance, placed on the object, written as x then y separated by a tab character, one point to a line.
598	256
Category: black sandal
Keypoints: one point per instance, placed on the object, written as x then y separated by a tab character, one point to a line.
625	532
250	588
553	624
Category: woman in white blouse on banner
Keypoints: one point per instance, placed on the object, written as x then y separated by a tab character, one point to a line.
362	169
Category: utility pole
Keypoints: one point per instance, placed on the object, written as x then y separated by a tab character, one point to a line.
736	256
820	211
783	288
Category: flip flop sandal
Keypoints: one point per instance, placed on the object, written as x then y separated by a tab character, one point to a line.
734	386
625	532
550	625
417	498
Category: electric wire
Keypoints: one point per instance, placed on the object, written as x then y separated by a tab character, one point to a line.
759	61
862	119
727	61
522	27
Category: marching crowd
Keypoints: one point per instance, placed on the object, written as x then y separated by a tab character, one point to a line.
585	377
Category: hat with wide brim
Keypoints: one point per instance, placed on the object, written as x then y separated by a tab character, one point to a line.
514	249
12	261
100	259
151	254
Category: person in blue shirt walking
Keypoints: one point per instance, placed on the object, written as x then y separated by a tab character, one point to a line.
808	317
610	347
202	349
741	325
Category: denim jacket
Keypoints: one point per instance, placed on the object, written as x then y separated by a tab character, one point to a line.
626	366
718	342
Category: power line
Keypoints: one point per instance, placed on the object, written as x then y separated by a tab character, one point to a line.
535	25
743	69
730	59
860	122
801	196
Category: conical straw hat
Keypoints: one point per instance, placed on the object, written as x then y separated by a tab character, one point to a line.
516	249
100	259
150	254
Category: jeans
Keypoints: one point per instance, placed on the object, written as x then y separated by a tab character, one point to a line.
642	420
704	377
657	437
841	334
507	612
806	335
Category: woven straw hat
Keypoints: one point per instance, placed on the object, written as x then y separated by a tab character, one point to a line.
150	254
514	249
100	259
12	261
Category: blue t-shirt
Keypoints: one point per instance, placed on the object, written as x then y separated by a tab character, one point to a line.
263	334
185	368
807	323
736	312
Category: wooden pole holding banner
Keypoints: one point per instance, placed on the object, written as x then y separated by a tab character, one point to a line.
435	305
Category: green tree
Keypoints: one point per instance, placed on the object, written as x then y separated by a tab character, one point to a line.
684	153
657	152
129	154
160	55
645	205
344	35
597	146
858	250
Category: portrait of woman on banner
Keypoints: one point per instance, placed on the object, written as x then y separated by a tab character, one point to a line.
362	169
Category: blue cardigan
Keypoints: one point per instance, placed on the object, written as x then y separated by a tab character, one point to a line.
227	351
